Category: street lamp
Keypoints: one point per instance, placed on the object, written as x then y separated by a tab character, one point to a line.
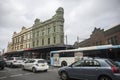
2	51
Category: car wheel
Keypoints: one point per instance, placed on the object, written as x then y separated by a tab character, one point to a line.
104	78
23	68
45	70
11	65
2	68
34	70
64	76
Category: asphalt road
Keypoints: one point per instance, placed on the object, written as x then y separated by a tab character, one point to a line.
19	74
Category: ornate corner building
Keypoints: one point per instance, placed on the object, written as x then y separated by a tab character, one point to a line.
40	38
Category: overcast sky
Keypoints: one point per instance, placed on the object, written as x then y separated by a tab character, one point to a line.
81	16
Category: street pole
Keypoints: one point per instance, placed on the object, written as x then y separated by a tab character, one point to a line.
66	39
2	51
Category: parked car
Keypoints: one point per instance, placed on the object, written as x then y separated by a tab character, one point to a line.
91	69
36	65
14	61
2	62
117	62
25	59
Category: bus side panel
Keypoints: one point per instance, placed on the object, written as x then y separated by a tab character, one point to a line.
68	60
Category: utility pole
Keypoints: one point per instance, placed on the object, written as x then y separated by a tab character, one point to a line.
2	51
78	39
66	39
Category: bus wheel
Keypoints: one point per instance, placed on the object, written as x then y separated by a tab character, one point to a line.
64	63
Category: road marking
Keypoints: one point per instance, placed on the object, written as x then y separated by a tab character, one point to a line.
16	75
28	73
52	69
9	70
2	71
3	77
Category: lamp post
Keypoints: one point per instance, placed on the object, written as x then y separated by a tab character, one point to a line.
66	39
2	51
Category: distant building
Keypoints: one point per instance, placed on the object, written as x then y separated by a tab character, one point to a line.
101	37
21	40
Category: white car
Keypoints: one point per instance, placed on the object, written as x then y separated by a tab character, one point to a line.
14	61
35	65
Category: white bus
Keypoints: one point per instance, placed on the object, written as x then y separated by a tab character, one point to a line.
66	57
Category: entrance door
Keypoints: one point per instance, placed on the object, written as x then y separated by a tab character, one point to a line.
56	59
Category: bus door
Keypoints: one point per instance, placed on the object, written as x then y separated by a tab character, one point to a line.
78	56
55	59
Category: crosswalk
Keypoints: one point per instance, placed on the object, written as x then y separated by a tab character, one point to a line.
19	69
15	75
9	69
18	72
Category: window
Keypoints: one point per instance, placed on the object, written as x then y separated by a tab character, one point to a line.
48	40
54	28
33	43
37	33
42	41
29	45
37	42
61	28
28	35
78	64
54	40
99	43
42	61
30	61
43	33
21	46
91	63
18	58
10	58
13	41
113	40
67	54
22	38
61	39
86	63
48	30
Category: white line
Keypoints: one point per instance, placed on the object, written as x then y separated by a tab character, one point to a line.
2	77
28	73
16	75
2	71
52	69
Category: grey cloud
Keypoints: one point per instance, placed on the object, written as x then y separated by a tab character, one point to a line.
81	16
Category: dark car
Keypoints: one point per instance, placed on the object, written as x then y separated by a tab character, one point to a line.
91	69
2	62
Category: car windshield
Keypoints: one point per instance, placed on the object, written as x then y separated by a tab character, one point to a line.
18	58
41	61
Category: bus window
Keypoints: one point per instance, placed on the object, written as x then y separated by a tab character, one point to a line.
67	54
